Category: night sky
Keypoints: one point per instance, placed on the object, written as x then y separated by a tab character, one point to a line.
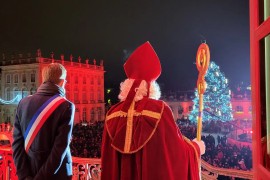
110	30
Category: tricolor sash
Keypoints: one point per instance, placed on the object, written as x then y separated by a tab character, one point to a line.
40	118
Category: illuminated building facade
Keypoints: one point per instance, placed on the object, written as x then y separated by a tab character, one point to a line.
21	76
181	107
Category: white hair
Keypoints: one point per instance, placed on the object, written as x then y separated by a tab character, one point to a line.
141	91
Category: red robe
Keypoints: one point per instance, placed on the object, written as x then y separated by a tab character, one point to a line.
150	148
266	157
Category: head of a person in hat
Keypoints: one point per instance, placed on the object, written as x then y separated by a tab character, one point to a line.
141	91
142	66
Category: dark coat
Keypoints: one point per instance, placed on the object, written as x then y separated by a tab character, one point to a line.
49	156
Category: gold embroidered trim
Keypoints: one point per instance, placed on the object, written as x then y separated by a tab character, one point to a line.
116	114
143	113
150	114
154	130
129	127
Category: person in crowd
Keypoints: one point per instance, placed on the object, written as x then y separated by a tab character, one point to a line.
87	138
43	128
141	139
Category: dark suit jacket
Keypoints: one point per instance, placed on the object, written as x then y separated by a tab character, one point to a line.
49	156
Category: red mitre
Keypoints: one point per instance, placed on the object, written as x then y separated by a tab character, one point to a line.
143	64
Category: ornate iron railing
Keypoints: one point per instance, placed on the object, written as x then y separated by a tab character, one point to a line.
86	169
90	169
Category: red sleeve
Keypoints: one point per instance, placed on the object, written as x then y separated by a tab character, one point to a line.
180	154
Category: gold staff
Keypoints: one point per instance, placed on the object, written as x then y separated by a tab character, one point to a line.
202	63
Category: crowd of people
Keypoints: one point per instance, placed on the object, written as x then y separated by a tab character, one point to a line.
86	140
86	143
226	155
219	152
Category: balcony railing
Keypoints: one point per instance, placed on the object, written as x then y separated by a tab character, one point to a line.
83	168
90	169
86	168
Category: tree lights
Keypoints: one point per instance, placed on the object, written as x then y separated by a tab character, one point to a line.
217	97
10	101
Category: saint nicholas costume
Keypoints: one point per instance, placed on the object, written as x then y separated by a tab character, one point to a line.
141	140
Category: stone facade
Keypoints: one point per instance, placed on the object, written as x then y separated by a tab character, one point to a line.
21	77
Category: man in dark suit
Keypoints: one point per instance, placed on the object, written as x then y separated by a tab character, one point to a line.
43	128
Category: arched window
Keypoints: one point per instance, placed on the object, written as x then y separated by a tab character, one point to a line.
76	97
33	77
76	80
92	98
8	78
99	81
84	97
84	114
99	111
99	96
92	80
16	78
8	94
24	78
239	109
92	119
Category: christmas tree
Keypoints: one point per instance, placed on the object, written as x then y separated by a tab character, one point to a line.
216	99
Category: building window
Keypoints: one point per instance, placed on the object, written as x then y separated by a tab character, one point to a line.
16	78
250	108
84	97
24	78
8	94
76	98
84	80
92	115
76	80
8	78
190	108
239	109
99	81
92	95
99	109
84	114
99	96
33	78
92	80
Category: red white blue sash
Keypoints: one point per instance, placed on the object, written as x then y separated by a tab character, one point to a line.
39	119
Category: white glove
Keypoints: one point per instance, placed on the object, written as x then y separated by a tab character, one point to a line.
201	145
